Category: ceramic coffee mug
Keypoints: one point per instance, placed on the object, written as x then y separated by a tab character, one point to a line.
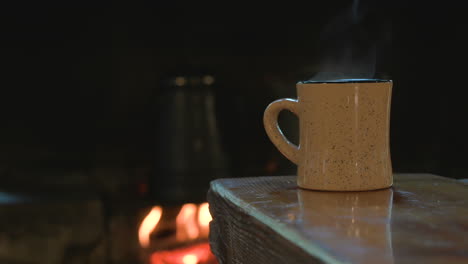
344	134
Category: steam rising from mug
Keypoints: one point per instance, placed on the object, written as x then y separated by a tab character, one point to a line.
348	47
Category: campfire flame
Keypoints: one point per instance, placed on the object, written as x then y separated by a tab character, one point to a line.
187	226
148	225
204	219
192	224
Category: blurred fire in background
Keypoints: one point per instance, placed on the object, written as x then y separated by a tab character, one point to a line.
187	244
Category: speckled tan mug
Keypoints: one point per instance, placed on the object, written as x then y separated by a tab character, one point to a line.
344	134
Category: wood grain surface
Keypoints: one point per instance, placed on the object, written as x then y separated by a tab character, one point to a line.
423	218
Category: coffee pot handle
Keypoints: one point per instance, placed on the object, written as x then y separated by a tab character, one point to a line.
270	121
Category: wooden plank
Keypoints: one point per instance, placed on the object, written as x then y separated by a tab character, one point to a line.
423	218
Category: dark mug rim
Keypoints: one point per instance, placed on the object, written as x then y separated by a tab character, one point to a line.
346	81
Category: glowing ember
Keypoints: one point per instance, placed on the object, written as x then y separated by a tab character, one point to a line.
190	259
148	225
186	223
196	254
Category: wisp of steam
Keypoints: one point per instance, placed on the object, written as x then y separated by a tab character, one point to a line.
347	49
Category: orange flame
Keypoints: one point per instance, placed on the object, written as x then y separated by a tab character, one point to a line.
148	225
186	224
204	219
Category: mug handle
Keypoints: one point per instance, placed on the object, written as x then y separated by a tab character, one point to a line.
270	121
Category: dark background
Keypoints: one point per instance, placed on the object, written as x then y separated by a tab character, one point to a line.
79	81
